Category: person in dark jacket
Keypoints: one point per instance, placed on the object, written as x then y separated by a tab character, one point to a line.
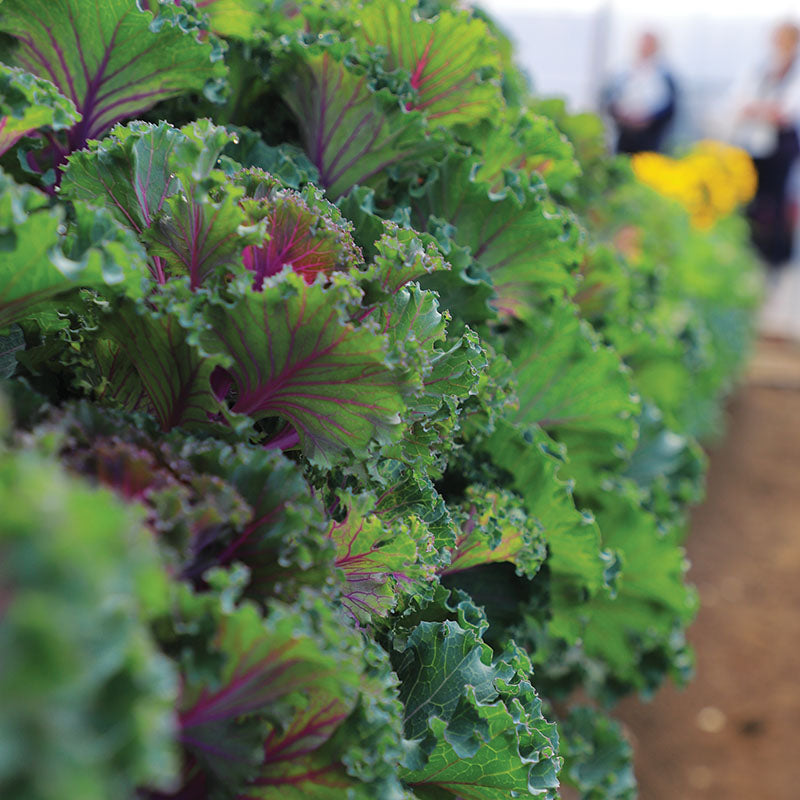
642	100
764	110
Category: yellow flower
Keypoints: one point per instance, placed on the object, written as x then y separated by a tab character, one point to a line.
711	181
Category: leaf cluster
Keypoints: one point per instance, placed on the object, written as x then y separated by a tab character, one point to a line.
350	396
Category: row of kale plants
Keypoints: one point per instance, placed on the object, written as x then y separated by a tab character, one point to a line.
349	406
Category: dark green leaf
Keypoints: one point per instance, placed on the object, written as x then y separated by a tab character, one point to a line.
10	344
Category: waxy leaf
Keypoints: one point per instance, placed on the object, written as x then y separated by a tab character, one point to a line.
108	57
518	236
515	759
28	103
291	355
402	256
477	721
449	59
444	379
410	493
454	375
451	376
413	324
444	374
437	665
352	134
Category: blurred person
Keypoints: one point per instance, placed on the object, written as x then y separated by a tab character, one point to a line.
641	101
764	113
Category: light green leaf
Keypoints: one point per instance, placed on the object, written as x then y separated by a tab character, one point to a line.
531	144
238	19
573	386
401	255
131	172
534	461
518	236
495	527
42	258
449	59
28	103
652	598
108	57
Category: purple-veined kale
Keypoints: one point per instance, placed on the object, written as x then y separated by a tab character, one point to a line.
109	58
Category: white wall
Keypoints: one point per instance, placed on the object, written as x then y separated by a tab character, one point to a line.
570	48
557	49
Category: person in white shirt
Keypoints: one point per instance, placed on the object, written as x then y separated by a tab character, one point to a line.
641	101
764	114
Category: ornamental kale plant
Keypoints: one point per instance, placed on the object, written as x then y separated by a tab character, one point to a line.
349	403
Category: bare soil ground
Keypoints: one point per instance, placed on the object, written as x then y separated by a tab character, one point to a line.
734	733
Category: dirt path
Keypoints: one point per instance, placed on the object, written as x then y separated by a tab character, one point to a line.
734	733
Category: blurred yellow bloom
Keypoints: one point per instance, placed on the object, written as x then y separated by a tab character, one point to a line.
711	181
